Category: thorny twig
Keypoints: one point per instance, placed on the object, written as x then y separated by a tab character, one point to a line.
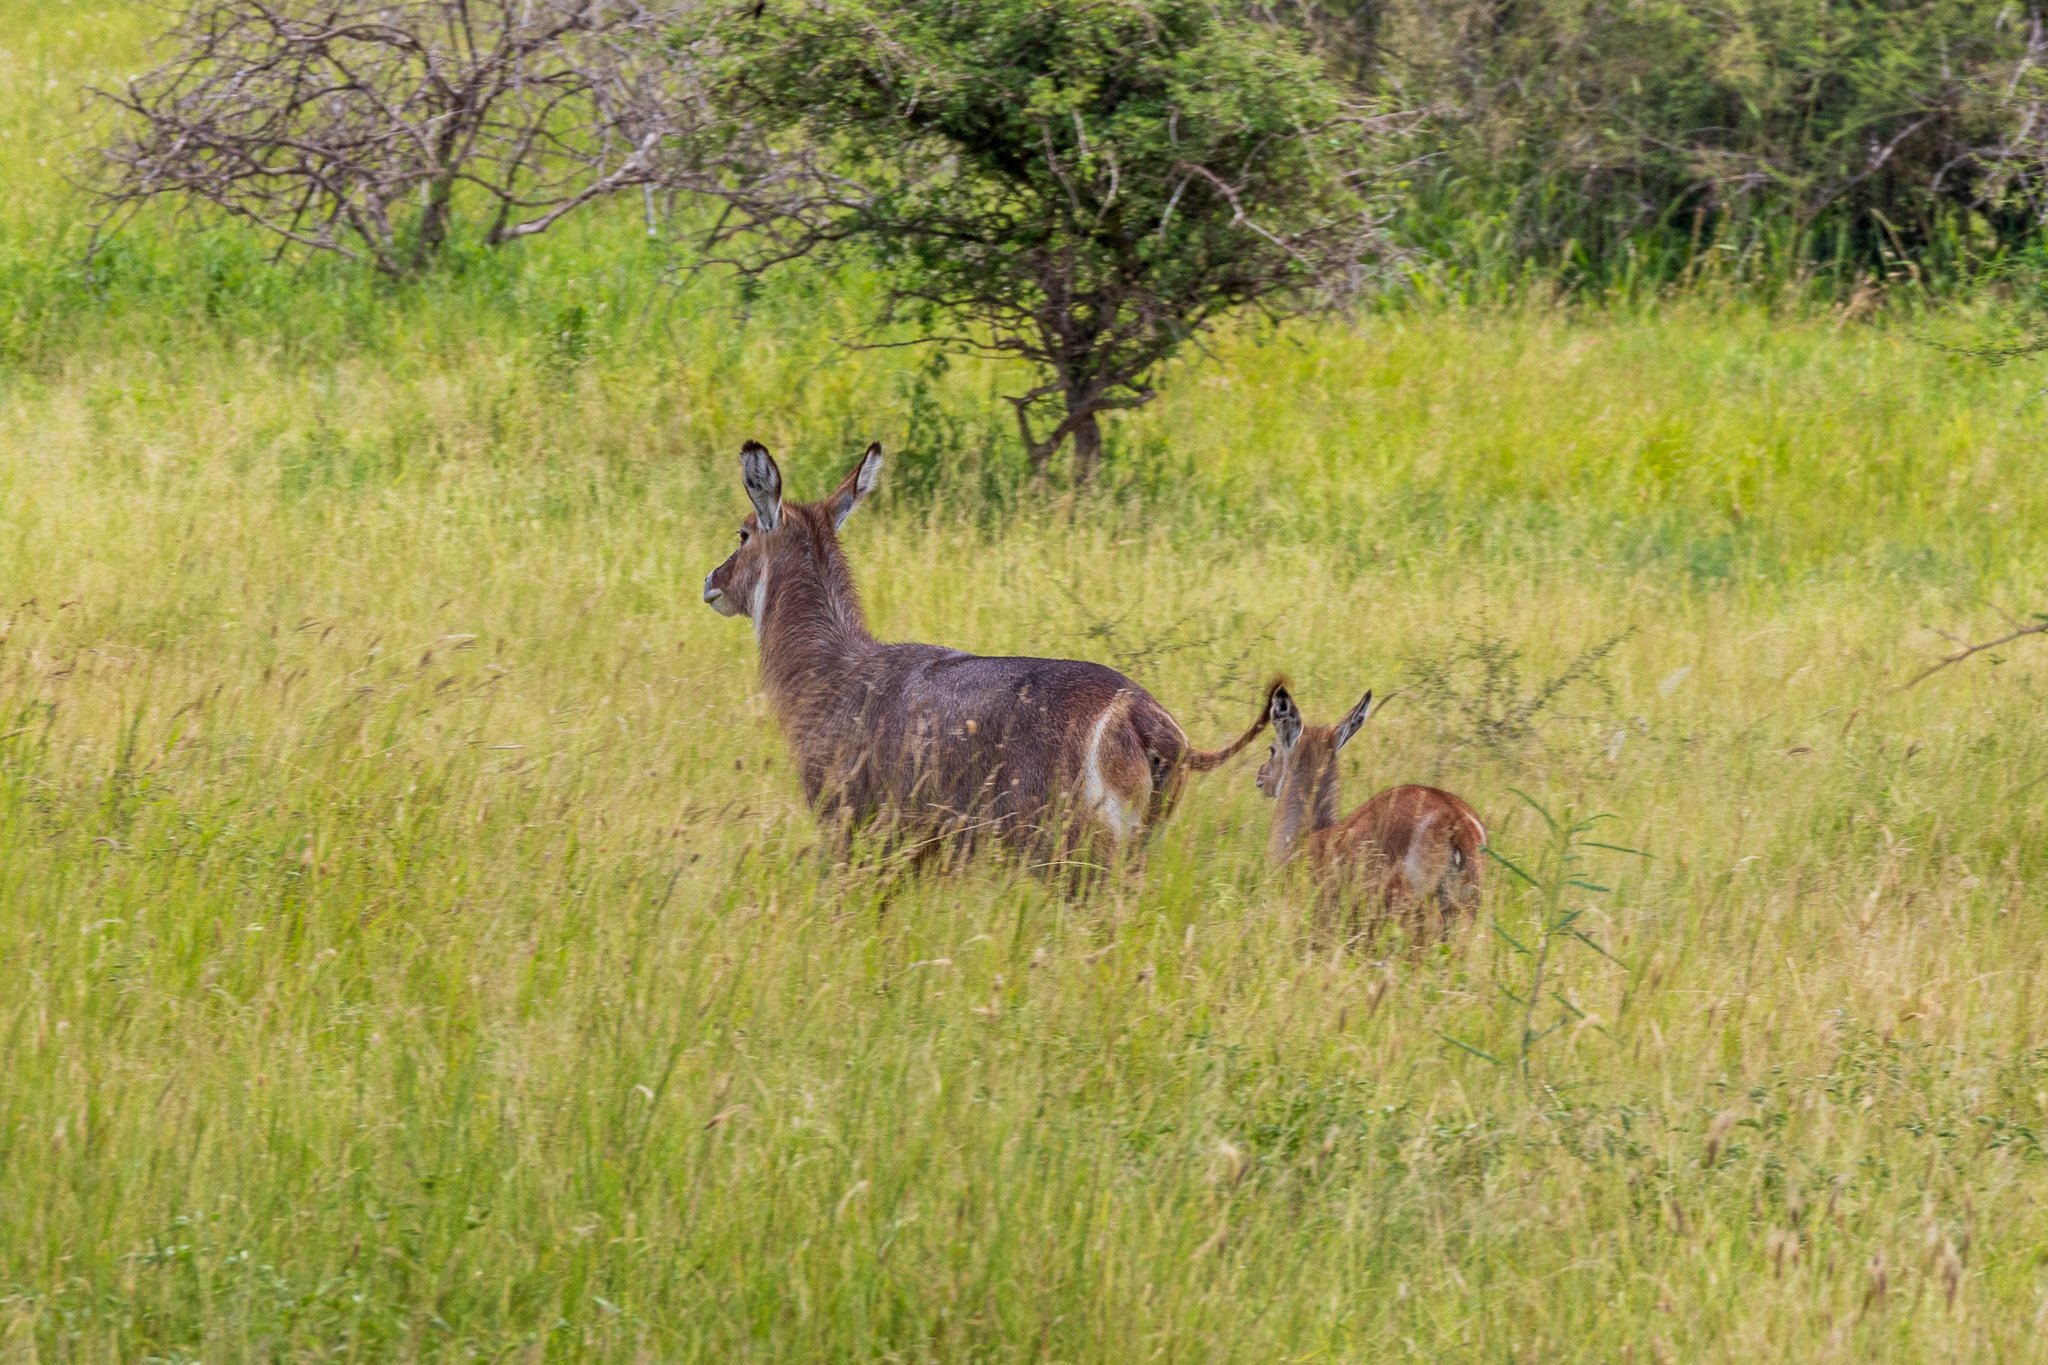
2039	627
1477	694
1159	641
1993	356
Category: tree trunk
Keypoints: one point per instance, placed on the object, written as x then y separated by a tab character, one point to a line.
1080	424
1087	437
433	229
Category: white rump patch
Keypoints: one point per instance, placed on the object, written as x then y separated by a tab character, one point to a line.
1120	819
1415	866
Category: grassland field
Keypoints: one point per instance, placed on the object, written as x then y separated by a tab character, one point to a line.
413	942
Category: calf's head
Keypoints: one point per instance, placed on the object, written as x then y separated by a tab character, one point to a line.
778	536
1300	749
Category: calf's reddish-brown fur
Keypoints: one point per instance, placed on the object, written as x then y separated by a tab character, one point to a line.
1413	851
943	745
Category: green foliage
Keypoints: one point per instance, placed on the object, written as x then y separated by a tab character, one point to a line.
1607	138
1084	186
1547	927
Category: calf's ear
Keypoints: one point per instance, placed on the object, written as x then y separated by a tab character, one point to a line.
1286	718
1348	726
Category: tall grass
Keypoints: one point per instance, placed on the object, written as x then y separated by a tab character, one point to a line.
416	944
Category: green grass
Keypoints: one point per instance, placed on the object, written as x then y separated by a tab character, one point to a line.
415	942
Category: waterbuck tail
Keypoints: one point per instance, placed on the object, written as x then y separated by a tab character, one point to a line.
1202	760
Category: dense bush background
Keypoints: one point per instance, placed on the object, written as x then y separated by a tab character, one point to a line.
1613	140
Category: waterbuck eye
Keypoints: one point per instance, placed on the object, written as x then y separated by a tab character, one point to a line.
745	535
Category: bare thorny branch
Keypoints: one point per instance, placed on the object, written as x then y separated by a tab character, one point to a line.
1138	642
351	126
1993	356
1966	650
1476	692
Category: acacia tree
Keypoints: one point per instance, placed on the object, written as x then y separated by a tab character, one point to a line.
1084	185
359	126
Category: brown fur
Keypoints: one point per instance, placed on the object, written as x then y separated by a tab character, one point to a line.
946	747
1410	850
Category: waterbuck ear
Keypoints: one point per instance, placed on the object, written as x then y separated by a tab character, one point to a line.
856	486
1348	726
1286	718
764	483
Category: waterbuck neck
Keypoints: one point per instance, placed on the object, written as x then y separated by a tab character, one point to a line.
1307	799
809	620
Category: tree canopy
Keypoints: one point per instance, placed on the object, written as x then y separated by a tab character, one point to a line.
1082	185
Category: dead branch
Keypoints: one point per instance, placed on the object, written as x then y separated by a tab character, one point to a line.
1993	356
1967	650
369	128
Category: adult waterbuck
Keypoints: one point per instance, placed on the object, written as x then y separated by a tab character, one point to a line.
1414	851
943	747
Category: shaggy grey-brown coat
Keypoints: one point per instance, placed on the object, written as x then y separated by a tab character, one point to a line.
941	744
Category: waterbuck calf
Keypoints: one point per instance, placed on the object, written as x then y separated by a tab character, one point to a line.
1410	850
945	747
